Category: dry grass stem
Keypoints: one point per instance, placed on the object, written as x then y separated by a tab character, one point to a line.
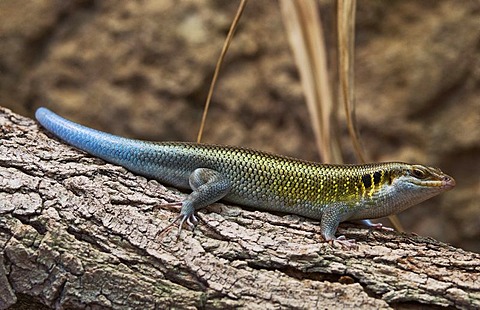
346	54
226	44
305	33
346	48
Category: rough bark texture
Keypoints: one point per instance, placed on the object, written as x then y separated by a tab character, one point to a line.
76	232
142	69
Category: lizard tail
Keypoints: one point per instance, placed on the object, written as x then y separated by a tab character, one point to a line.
109	147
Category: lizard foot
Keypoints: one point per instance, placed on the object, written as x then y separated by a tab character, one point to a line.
379	226
188	219
344	242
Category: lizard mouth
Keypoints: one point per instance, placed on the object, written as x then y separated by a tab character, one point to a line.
430	177
444	183
448	182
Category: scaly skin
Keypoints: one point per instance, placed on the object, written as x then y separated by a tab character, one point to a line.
264	181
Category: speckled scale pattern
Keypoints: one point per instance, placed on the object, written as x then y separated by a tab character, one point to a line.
258	179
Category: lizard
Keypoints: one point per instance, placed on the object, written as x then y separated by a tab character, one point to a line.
330	193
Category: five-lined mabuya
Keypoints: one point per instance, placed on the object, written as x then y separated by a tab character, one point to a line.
260	180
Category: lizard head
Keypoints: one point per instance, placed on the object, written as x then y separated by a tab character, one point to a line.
406	186
416	183
424	177
399	186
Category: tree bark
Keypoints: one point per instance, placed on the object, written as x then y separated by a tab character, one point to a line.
76	232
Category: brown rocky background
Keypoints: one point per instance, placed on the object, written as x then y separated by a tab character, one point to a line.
142	69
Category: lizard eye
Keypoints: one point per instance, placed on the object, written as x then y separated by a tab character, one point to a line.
419	174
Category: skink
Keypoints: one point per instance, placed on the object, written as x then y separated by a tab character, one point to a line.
260	180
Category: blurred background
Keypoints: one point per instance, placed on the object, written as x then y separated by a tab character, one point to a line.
143	68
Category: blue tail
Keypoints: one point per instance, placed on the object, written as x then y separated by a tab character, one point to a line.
109	147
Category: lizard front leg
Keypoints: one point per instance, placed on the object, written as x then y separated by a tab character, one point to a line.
331	217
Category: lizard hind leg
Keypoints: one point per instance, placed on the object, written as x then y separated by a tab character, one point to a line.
378	226
208	187
181	219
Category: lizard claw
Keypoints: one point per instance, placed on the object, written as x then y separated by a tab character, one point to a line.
192	221
344	242
189	219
